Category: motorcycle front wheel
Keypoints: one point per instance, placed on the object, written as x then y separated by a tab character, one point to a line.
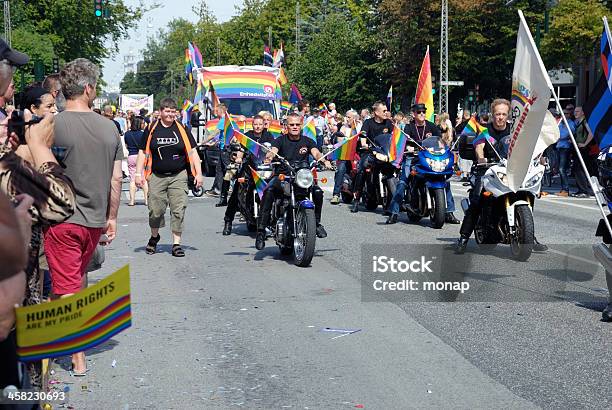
305	237
524	237
437	215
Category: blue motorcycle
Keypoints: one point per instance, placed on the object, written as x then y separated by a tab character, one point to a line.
431	168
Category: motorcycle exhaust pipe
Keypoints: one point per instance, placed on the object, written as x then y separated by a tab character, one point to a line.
465	204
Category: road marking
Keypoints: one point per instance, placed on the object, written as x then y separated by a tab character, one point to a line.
578	258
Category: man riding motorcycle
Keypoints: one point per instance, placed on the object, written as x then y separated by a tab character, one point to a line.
376	134
418	130
259	134
499	130
293	147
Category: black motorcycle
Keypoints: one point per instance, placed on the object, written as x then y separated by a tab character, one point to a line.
380	184
293	222
248	199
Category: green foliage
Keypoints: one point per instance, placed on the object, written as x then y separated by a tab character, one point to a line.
574	32
351	51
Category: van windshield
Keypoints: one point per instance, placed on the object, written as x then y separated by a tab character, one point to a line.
248	107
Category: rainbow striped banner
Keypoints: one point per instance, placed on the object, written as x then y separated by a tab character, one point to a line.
424	93
472	127
253	146
344	150
483	137
310	130
285	105
275	128
75	323
260	184
258	85
397	146
228	130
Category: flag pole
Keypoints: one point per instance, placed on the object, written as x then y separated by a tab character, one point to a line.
595	188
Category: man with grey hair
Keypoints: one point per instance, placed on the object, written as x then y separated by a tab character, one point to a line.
89	146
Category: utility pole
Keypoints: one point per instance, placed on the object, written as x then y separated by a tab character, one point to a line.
297	27
218	50
270	38
7	22
443	102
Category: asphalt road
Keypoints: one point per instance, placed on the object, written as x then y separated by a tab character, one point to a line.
229	326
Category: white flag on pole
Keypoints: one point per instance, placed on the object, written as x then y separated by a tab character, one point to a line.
530	96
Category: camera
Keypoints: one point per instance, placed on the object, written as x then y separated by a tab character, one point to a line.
17	124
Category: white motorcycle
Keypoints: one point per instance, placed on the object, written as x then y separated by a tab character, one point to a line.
507	217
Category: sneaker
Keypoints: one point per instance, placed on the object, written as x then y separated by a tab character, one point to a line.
321	232
580	195
212	192
539	247
335	200
563	193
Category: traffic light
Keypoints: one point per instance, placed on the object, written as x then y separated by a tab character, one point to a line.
55	65
471	95
98	8
39	70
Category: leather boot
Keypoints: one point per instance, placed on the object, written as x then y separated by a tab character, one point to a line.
223	196
227	229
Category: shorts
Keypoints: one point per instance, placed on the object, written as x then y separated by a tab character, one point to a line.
69	248
131	160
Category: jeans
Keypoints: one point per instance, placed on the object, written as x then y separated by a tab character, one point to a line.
471	214
341	169
564	164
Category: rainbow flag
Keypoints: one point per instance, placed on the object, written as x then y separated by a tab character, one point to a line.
275	128
282	77
229	129
75	323
197	56
322	107
483	137
295	96
424	92
397	146
260	184
188	66
186	114
257	85
310	130
248	143
192	54
211	97
345	150
472	127
285	105
199	95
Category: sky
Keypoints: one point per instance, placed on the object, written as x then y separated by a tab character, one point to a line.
151	23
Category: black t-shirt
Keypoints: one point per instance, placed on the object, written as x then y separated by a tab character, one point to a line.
264	138
294	151
502	139
167	149
421	132
372	129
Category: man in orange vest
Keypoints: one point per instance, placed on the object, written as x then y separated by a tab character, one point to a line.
167	154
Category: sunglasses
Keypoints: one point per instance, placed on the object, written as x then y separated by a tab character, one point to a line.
294	125
420	112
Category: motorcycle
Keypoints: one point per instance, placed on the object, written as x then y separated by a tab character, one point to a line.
293	223
426	196
379	186
506	217
347	189
248	199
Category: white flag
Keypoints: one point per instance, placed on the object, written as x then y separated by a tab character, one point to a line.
549	135
530	96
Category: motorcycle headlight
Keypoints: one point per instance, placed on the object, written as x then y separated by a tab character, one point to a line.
266	174
502	177
304	178
534	180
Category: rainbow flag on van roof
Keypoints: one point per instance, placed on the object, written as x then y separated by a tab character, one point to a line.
236	84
